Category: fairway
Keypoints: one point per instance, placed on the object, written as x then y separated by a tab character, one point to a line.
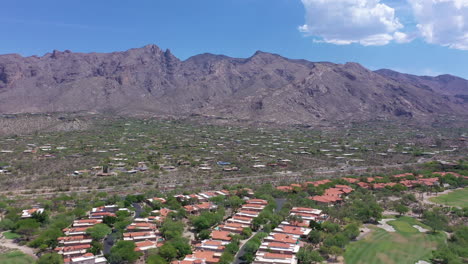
405	246
455	198
15	257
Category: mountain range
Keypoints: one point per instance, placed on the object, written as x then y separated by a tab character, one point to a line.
265	87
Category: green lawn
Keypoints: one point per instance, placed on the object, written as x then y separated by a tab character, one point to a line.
10	235
15	257
405	246
455	198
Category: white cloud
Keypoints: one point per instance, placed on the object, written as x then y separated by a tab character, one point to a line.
401	37
442	22
368	22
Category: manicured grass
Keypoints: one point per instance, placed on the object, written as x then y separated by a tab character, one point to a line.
15	257
10	235
406	245
455	198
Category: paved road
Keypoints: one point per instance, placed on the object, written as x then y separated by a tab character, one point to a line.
138	209
109	242
241	251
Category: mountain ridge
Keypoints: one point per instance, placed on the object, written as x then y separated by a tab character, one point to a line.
265	87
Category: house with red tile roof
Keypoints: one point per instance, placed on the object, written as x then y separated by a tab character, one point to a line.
236	228
282	237
73	251
293	230
253	207
86	222
156	199
200	257
141	226
74	240
71	231
87	258
351	180
257	201
101	215
317	183
211	245
145	245
29	212
279	247
325	199
274	258
140	236
364	185
284	188
201	207
221	235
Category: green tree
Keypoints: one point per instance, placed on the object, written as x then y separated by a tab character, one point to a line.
226	258
99	231
171	229
352	231
109	220
314	237
235	202
96	247
123	252
401	208
182	245
168	252
330	227
246	232
335	251
27	226
204	234
50	258
156	259
307	255
436	219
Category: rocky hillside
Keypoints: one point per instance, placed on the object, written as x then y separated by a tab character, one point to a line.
265	87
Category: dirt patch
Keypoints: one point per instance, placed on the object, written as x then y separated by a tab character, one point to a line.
364	232
385	259
400	239
8	243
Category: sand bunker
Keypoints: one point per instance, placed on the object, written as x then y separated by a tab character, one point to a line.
420	229
385	226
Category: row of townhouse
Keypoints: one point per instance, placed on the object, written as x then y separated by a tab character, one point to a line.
209	251
75	244
284	242
144	231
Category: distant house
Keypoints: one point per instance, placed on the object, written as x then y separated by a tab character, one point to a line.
325	199
198	208
284	188
29	212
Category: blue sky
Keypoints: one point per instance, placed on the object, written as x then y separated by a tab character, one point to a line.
378	34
